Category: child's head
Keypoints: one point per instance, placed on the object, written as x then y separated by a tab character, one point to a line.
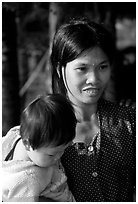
47	127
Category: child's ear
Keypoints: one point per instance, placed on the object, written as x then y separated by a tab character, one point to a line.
26	144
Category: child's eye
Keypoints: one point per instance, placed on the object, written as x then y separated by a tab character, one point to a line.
50	155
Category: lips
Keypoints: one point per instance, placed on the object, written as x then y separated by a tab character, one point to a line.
91	91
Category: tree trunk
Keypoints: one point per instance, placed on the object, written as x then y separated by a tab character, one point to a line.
55	14
10	83
23	74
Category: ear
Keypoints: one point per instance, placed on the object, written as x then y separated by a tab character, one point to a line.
27	144
58	70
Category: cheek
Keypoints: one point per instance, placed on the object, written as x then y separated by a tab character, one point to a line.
69	80
106	77
58	156
74	86
73	81
45	162
42	159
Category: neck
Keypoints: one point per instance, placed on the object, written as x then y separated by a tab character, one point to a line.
85	112
88	124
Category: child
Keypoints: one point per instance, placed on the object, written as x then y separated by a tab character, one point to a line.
31	152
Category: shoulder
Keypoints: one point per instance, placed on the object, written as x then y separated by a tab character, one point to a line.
115	110
13	132
9	140
119	118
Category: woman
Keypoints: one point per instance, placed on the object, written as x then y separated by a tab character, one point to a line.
100	164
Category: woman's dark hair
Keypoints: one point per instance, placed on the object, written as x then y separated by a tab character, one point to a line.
48	120
70	41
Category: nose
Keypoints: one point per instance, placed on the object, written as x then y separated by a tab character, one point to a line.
92	77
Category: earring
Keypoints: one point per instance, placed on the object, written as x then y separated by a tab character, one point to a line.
27	145
58	67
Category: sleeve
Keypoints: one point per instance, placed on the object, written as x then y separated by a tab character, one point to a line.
133	120
20	188
58	190
130	120
9	140
63	194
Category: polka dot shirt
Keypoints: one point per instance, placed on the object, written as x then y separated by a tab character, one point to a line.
108	173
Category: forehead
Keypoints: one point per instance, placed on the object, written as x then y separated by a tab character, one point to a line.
93	55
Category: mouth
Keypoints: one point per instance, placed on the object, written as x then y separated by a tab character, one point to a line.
91	91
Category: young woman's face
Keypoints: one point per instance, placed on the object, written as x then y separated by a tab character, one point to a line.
46	156
87	76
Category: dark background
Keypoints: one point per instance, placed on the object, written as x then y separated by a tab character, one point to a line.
27	32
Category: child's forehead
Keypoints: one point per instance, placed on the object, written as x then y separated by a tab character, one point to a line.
52	149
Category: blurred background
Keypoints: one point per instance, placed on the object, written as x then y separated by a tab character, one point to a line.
27	33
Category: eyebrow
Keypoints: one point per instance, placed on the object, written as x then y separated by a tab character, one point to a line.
85	64
105	61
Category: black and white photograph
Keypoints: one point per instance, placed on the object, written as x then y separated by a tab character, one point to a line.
68	101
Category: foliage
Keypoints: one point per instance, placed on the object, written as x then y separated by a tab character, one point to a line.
32	18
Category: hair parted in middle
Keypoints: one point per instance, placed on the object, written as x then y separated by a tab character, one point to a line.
70	40
48	120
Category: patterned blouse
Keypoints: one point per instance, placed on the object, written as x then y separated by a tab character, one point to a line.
105	170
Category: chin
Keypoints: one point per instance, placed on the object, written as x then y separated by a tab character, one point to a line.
91	101
44	165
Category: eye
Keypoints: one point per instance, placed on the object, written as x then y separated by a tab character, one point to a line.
103	67
81	69
50	155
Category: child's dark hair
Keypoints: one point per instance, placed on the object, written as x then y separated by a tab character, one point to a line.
48	120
